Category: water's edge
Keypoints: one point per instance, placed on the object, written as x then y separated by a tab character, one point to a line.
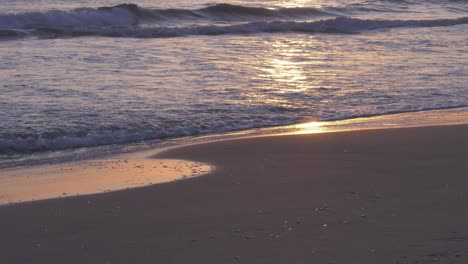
453	116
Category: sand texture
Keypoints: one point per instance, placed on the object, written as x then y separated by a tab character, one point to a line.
376	196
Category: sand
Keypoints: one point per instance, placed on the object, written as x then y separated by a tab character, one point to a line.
375	196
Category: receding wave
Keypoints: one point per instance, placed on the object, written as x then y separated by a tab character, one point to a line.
16	144
35	142
339	25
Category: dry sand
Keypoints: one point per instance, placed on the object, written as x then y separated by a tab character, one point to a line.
377	196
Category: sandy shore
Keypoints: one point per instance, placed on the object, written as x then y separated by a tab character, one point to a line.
376	196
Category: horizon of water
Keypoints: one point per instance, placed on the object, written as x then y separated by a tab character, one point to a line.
98	72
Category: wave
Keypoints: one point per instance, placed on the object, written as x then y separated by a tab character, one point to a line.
339	25
132	15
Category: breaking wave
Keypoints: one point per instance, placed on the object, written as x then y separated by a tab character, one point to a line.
132	15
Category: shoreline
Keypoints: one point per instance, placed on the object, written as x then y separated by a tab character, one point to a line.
436	117
30	183
369	196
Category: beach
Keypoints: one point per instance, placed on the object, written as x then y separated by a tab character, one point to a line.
213	132
364	196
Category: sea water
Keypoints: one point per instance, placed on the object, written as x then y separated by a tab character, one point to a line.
93	73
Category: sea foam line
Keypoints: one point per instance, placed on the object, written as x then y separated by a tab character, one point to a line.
36	142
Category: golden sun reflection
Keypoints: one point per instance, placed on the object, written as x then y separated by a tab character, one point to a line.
286	69
412	119
309	128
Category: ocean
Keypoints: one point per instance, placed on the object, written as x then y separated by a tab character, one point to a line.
80	75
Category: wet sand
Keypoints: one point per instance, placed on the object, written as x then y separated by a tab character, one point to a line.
92	176
374	196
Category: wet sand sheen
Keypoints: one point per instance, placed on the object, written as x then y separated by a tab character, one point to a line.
94	176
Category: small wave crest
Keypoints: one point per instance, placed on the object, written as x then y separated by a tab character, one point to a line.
221	10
